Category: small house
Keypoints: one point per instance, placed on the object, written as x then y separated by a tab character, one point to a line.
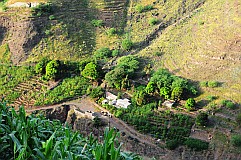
122	103
168	103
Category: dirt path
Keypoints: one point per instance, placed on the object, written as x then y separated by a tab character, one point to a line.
87	104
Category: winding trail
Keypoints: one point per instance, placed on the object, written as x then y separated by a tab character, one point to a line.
119	124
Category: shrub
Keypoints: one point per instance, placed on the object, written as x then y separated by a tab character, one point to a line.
202	119
236	140
42	9
51	17
127	44
196	144
228	104
48	32
115	53
90	71
172	144
211	98
103	53
212	84
95	92
111	31
40	66
52	70
97	23
153	21
148	7
139	8
203	84
190	103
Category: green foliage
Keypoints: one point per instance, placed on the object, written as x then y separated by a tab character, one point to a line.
202	119
40	67
95	92
177	93
153	21
52	70
115	53
203	84
150	88
211	98
35	137
10	77
51	17
196	144
5	54
140	96
139	8
90	71
127	44
172	144
111	31
228	104
97	23
236	140
126	67
212	84
69	88
103	53
129	63
177	85
190	104
165	91
42	9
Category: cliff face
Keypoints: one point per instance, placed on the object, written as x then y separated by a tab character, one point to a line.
21	34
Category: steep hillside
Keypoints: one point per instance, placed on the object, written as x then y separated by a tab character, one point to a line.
202	44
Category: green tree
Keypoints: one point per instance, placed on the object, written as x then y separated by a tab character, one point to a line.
236	140
103	53
52	70
177	93
114	77
139	97
90	71
165	91
150	88
129	63
202	119
127	44
190	103
41	65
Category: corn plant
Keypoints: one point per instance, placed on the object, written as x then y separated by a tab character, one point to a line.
33	137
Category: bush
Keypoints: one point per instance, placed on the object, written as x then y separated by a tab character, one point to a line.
172	144
211	98
236	140
139	8
115	53
202	119
212	84
127	44
203	84
103	53
196	144
153	21
228	104
48	32
111	31
51	17
190	103
52	70
95	92
42	9
97	23
90	71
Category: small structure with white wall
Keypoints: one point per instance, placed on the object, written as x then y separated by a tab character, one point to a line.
168	103
111	99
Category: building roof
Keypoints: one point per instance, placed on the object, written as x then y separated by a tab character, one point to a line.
110	96
123	103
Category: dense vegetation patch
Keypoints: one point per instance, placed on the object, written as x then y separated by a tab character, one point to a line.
35	137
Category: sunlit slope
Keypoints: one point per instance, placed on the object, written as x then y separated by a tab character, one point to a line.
206	46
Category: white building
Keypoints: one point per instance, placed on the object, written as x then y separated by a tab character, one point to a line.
111	99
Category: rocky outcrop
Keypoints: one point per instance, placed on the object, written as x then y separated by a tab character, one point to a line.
21	33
